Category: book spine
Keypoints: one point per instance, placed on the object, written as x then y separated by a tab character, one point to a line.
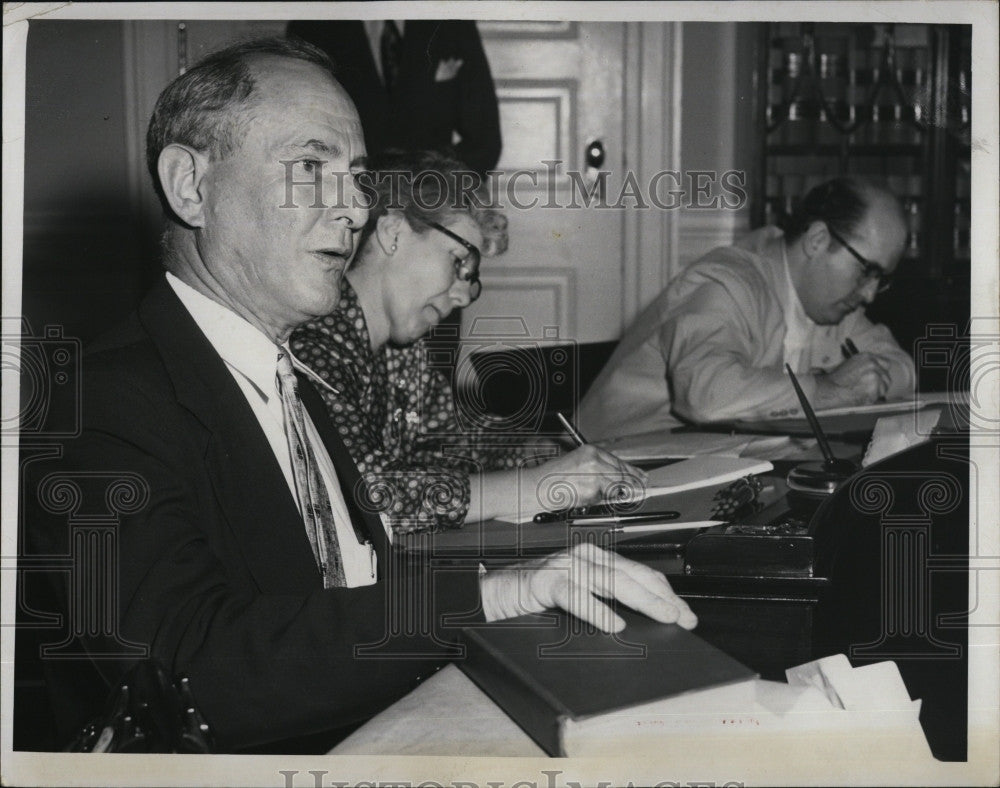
513	691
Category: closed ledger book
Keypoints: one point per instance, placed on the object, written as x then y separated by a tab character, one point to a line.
552	675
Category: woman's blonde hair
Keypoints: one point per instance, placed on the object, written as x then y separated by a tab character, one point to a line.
426	186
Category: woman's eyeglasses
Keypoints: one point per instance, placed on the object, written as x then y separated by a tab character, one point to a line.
869	270
466	270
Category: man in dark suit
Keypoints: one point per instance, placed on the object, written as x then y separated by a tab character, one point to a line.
415	87
241	552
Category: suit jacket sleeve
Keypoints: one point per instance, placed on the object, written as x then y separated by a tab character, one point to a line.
479	124
268	652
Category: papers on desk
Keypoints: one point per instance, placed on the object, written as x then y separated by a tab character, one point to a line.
857	420
900	405
709	470
893	434
894	406
663	443
691	474
584	694
826	706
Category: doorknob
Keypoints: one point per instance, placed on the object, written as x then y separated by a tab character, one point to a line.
594	155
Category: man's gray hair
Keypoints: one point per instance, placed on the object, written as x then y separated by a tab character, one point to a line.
208	106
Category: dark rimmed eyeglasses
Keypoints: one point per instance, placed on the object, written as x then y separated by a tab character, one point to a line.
466	270
869	270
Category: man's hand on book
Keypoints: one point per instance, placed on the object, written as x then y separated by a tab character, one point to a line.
574	579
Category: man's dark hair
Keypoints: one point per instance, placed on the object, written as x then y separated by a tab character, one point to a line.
841	203
207	107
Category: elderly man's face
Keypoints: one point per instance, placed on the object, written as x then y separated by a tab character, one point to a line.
834	285
283	265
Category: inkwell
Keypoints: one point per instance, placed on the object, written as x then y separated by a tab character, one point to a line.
816	480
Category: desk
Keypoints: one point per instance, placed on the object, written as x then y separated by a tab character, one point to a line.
892	584
448	715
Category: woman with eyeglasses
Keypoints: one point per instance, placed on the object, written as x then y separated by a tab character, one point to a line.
418	259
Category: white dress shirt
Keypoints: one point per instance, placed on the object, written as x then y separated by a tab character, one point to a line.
252	359
800	330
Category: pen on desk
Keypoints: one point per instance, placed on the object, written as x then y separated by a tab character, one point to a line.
641	517
634	529
578	439
824	445
848	348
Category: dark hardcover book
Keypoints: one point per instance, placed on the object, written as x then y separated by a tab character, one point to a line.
550	671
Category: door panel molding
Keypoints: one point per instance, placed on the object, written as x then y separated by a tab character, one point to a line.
547	295
652	95
523	97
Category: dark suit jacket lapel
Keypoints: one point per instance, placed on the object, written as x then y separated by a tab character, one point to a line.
250	487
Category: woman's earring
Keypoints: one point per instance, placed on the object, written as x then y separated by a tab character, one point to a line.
392	249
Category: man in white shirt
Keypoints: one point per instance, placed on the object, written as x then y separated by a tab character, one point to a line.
216	573
713	345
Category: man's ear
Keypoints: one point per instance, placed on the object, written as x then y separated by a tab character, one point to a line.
182	171
815	239
387	229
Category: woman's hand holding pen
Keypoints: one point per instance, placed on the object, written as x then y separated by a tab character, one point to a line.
859	380
583	476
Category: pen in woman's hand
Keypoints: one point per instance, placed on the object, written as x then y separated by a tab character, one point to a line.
848	348
578	439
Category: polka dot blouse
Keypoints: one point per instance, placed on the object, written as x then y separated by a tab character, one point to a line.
396	414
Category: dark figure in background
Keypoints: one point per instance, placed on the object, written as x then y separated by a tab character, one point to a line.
441	88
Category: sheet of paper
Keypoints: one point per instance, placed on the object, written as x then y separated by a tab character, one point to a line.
701	471
892	434
690	474
663	443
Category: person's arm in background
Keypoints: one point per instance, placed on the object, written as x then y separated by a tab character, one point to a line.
708	345
715	344
479	124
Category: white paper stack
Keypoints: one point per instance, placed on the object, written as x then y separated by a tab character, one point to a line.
827	708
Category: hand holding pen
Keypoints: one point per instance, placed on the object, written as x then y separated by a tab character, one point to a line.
848	348
860	379
585	476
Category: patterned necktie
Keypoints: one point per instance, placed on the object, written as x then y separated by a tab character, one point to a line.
314	498
391	46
